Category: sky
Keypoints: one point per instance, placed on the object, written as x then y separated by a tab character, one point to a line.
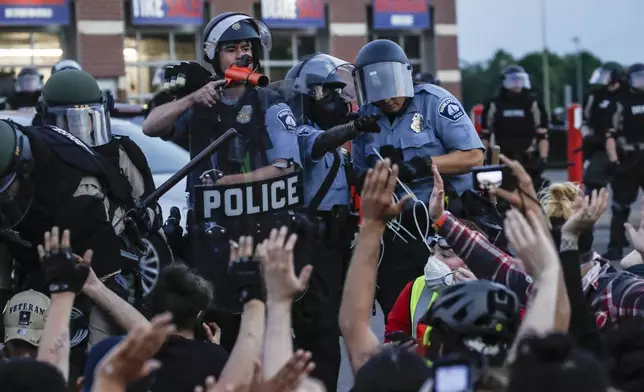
613	30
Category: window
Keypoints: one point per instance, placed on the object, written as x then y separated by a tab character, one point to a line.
18	49
288	50
146	53
411	44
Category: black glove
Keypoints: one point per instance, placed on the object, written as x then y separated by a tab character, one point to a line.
62	273
247	280
391	152
367	124
142	217
406	171
422	165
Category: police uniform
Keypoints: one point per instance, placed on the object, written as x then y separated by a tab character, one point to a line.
67	187
513	118
627	179
319	91
599	107
431	123
598	118
266	136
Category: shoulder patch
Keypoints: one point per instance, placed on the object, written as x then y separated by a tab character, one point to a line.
287	120
450	109
304	130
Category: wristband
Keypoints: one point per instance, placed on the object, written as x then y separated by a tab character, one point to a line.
439	223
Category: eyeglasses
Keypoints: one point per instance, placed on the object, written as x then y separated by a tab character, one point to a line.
440	241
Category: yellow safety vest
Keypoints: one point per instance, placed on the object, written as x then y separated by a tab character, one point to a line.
420	299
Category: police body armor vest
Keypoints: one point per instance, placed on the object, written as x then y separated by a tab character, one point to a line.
246	151
633	125
514	126
60	162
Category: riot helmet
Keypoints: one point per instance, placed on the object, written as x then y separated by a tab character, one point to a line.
608	74
29	81
426	77
229	28
382	72
476	316
65	64
515	78
636	76
16	164
319	90
82	111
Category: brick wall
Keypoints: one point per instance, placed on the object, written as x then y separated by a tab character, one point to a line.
446	44
100	52
345	41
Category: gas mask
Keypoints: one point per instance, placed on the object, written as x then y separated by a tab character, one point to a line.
437	274
329	112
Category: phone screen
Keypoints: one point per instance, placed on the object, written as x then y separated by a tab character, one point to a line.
489	179
453	378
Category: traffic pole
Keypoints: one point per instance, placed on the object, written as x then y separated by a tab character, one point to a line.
476	115
575	140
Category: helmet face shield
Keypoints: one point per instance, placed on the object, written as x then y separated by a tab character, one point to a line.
636	80
16	196
515	81
600	76
380	81
322	74
90	123
28	83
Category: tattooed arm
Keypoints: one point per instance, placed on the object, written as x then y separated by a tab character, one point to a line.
54	346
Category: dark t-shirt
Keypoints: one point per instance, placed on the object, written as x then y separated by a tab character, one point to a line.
186	363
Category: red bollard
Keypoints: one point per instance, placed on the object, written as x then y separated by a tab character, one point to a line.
475	115
575	140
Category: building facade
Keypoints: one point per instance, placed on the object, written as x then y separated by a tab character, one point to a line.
124	42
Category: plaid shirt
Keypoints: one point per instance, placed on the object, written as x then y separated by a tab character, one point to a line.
616	297
485	260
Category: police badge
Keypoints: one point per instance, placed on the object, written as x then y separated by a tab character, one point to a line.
243	117
417	123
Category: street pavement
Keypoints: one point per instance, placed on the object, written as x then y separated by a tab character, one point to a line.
602	230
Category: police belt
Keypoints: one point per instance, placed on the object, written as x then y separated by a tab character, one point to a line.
334	227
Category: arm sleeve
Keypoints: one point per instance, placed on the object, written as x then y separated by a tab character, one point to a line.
307	136
582	325
399	318
282	129
181	132
618	117
490	115
484	259
452	126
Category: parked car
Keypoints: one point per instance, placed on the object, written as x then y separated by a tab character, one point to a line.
165	159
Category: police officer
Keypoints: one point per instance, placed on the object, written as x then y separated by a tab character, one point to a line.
625	150
50	178
320	90
83	112
599	108
27	90
266	144
426	77
517	122
421	125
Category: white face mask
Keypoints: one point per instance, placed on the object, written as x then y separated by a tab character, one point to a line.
437	274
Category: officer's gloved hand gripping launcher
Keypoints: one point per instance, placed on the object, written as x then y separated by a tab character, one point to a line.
187	77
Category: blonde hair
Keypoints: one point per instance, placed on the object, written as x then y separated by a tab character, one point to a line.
558	199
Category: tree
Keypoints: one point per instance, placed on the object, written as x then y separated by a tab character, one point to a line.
481	81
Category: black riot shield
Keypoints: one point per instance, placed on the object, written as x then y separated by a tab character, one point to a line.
223	213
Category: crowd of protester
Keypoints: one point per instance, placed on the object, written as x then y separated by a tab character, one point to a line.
545	313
